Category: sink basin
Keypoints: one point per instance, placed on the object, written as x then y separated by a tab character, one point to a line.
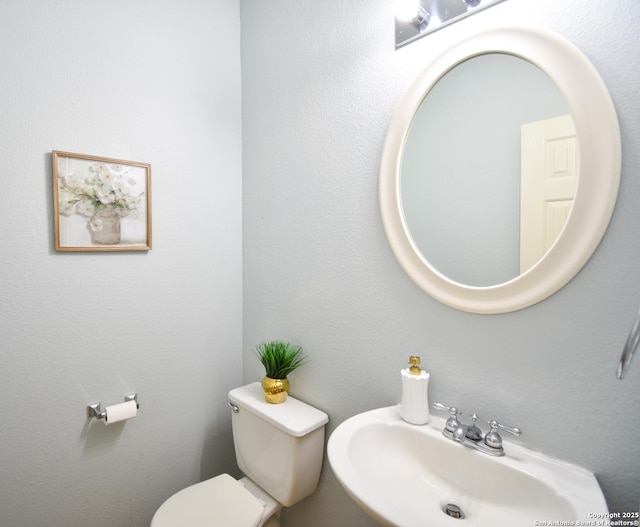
404	475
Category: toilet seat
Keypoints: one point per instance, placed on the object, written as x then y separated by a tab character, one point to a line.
217	502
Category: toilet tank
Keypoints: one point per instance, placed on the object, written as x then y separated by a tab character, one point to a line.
278	446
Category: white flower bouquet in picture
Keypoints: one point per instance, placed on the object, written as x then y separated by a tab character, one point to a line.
101	203
103	197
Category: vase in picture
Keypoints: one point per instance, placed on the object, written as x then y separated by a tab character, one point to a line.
107	227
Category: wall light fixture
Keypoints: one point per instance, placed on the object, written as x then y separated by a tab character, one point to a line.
417	18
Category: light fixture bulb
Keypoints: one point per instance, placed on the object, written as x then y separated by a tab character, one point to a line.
408	10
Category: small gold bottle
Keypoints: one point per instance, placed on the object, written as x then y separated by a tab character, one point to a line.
414	407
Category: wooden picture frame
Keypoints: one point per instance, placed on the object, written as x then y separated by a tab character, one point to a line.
101	204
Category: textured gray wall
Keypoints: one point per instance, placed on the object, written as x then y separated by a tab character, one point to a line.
142	81
320	82
149	82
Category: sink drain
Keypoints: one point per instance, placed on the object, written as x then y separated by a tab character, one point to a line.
453	510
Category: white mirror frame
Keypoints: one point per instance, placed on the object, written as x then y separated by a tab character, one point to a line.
599	162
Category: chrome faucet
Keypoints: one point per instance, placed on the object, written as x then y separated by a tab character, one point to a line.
471	435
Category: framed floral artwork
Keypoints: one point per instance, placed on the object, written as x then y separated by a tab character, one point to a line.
101	204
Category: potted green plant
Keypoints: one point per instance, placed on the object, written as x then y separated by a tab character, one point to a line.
279	360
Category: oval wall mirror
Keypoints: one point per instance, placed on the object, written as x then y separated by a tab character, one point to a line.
500	170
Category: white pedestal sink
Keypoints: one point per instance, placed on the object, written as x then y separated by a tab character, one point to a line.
404	475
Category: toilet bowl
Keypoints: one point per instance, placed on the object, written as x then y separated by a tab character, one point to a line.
278	446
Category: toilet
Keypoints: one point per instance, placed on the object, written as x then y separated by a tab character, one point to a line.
279	448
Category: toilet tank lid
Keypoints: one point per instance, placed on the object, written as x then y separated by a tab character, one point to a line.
293	416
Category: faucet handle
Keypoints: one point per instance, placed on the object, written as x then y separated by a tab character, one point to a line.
452	422
510	429
450	409
493	439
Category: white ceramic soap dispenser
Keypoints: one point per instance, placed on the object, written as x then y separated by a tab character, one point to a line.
414	407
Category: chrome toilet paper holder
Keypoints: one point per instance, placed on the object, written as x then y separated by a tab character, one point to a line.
95	409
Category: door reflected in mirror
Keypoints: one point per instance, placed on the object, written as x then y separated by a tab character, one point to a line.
548	183
488	171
